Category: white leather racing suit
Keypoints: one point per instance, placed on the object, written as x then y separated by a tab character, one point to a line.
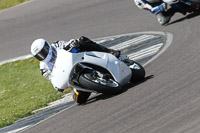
47	65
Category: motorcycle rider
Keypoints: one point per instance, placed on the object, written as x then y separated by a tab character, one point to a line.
46	53
159	8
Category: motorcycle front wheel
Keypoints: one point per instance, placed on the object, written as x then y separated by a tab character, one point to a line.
98	84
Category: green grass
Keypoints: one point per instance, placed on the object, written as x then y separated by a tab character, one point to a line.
22	90
8	3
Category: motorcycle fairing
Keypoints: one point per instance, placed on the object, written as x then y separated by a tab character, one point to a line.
65	62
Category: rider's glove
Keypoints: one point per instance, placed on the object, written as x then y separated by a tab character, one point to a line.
73	43
45	73
58	44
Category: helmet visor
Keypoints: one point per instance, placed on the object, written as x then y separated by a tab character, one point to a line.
43	53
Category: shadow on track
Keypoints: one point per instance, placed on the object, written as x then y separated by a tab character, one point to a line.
126	88
189	16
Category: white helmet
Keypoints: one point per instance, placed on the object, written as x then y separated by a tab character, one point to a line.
40	49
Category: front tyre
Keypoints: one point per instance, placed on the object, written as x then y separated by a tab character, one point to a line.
99	84
138	72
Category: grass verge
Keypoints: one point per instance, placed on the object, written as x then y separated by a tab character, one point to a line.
8	3
22	90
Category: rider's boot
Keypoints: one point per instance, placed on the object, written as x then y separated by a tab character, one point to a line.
165	16
115	53
126	60
162	19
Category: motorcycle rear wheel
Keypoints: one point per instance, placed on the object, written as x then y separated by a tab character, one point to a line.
101	85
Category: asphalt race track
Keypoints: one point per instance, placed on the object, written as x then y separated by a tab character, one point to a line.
168	102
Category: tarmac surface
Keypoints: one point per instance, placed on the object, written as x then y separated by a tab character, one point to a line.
168	102
141	47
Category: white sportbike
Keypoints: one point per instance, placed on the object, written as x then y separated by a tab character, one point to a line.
94	72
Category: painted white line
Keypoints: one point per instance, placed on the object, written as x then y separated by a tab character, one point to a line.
145	52
157	46
19	129
139	54
105	40
144	55
169	39
16	59
131	34
47	118
66	99
15	6
169	35
132	41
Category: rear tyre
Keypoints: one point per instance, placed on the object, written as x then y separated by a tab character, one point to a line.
138	72
93	82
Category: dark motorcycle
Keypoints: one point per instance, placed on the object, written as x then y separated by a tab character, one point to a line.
181	6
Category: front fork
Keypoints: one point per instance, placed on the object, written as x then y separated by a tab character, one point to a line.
79	69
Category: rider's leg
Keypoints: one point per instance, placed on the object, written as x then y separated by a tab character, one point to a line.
88	45
180	7
177	5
